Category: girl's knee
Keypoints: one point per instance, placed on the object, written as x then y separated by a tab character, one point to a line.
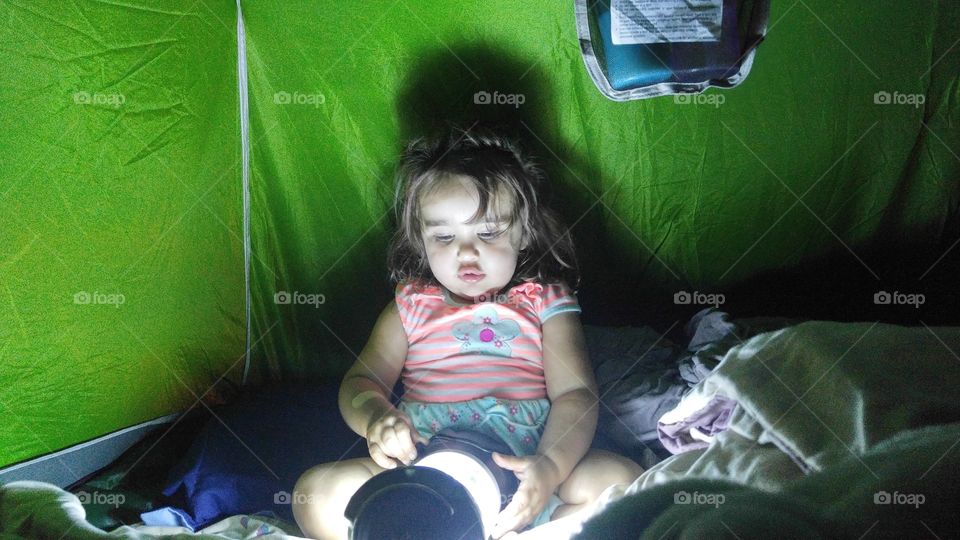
619	469
309	487
321	494
596	472
306	501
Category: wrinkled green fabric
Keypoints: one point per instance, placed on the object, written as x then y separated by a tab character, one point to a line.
119	163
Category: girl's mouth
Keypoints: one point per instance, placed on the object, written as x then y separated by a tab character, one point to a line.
471	275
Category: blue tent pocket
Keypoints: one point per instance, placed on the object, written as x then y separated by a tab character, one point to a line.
636	49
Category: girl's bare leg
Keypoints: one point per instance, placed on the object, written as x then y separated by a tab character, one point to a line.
322	494
597	471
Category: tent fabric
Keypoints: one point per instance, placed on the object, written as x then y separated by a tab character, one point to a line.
695	197
122	270
121	202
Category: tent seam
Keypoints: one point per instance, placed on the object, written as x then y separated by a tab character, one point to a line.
245	158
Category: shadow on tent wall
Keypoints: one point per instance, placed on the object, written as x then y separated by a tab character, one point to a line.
877	284
445	88
841	288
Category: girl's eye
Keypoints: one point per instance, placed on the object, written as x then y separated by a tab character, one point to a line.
443	238
489	235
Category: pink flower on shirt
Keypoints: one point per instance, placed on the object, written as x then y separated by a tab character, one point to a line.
486	333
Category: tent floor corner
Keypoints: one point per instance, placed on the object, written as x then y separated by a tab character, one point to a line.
139	452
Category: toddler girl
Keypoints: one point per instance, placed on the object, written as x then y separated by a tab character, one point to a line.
484	332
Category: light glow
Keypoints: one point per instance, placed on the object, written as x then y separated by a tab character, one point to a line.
473	476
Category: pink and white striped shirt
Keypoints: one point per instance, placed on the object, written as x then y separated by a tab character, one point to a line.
457	352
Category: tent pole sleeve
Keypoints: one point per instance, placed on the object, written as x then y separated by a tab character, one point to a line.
245	157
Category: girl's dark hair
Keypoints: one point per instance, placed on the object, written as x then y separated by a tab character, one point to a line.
495	166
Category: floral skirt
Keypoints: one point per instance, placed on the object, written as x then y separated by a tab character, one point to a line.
519	423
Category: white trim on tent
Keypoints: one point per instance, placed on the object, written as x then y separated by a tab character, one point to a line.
245	157
67	466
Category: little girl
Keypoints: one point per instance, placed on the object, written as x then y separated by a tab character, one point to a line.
486	336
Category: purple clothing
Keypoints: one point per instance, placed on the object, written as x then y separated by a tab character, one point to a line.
709	420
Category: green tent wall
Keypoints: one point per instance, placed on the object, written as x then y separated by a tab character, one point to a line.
122	224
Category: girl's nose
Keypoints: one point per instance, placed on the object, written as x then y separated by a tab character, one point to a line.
467	252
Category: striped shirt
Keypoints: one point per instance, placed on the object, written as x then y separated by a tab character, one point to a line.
457	352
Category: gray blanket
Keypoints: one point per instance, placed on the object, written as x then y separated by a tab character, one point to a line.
841	430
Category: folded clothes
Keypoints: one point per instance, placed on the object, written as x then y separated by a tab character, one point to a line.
695	429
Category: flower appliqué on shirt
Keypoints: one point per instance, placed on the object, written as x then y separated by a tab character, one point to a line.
486	333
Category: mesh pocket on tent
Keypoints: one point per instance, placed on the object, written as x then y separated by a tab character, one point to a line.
637	49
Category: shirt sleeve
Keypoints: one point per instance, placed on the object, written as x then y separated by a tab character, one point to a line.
556	298
405	308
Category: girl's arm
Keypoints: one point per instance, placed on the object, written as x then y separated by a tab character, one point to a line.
572	390
570	424
364	397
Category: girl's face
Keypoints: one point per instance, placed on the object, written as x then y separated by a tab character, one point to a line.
469	259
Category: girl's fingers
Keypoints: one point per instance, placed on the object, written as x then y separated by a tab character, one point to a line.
512	463
513	517
394	446
376	429
527	502
405	437
390	445
380	458
395	437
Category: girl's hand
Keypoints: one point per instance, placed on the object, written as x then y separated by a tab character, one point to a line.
391	438
539	478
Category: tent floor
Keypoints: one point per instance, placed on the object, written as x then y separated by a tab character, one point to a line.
140	473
